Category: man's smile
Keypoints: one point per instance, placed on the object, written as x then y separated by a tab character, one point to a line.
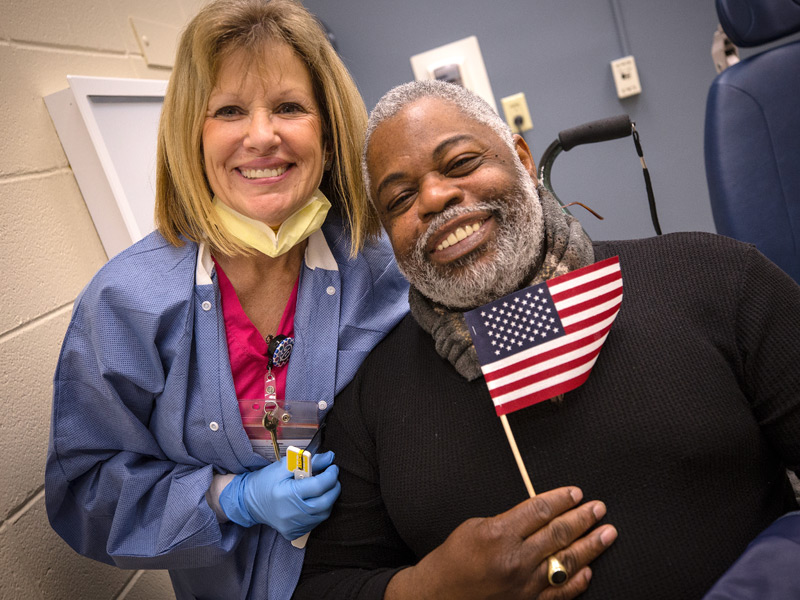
460	236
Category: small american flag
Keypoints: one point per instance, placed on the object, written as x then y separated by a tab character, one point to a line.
542	341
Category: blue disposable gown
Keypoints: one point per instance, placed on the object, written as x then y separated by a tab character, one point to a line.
145	412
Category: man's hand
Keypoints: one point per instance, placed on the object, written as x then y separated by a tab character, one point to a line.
506	556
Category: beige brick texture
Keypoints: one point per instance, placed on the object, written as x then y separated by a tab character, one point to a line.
87	24
36	564
29	74
50	239
152	584
50	250
29	360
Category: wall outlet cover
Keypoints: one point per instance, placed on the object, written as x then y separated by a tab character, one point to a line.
626	77
514	106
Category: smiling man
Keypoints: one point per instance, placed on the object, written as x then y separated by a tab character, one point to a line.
683	431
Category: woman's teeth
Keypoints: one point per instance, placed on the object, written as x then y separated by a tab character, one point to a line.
258	173
458	235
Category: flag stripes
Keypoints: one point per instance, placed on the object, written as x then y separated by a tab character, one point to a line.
586	302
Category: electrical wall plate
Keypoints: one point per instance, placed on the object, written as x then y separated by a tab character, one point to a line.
459	62
516	106
626	77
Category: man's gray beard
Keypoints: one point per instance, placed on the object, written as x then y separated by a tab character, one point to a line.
466	282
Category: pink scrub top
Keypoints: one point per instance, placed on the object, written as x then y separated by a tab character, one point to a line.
248	355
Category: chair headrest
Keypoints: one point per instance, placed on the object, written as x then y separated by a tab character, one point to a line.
755	22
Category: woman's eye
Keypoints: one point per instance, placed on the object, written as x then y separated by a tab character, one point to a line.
289	108
228	111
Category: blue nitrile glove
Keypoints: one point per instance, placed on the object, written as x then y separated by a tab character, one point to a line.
274	497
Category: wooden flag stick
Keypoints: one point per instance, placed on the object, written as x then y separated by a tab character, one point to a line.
517	456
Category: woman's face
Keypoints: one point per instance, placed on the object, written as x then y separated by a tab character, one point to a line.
262	137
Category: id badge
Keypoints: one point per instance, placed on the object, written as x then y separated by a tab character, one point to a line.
296	427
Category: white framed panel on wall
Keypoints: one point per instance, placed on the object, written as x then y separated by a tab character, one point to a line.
108	128
458	62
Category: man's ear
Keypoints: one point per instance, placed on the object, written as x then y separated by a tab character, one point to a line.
525	156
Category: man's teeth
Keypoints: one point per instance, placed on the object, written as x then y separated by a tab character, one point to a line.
258	173
458	235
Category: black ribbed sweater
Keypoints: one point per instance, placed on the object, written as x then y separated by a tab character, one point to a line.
684	429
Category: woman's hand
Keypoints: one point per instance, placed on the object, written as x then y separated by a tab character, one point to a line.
273	497
507	556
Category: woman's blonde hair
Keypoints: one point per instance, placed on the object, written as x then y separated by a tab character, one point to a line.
221	28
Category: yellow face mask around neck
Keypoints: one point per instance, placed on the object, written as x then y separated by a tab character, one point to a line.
255	234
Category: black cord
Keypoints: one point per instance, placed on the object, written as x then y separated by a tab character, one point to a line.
647	183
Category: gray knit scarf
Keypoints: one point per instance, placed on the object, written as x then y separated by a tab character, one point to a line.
567	248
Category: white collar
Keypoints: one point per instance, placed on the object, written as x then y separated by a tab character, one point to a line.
318	254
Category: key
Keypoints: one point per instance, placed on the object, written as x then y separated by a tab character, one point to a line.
270	423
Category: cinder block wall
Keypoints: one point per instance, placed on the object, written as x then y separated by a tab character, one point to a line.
49	249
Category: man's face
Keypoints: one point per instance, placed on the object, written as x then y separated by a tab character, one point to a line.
460	207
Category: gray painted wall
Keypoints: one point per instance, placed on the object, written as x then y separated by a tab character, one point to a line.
558	52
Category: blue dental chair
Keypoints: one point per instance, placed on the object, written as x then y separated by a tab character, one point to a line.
752	132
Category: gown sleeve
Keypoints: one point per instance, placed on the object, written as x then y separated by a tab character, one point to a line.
112	492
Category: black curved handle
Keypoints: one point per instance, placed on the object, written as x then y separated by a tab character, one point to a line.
602	130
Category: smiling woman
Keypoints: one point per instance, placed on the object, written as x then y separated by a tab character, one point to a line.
164	449
262	136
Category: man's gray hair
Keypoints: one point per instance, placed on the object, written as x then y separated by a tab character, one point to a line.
401	96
